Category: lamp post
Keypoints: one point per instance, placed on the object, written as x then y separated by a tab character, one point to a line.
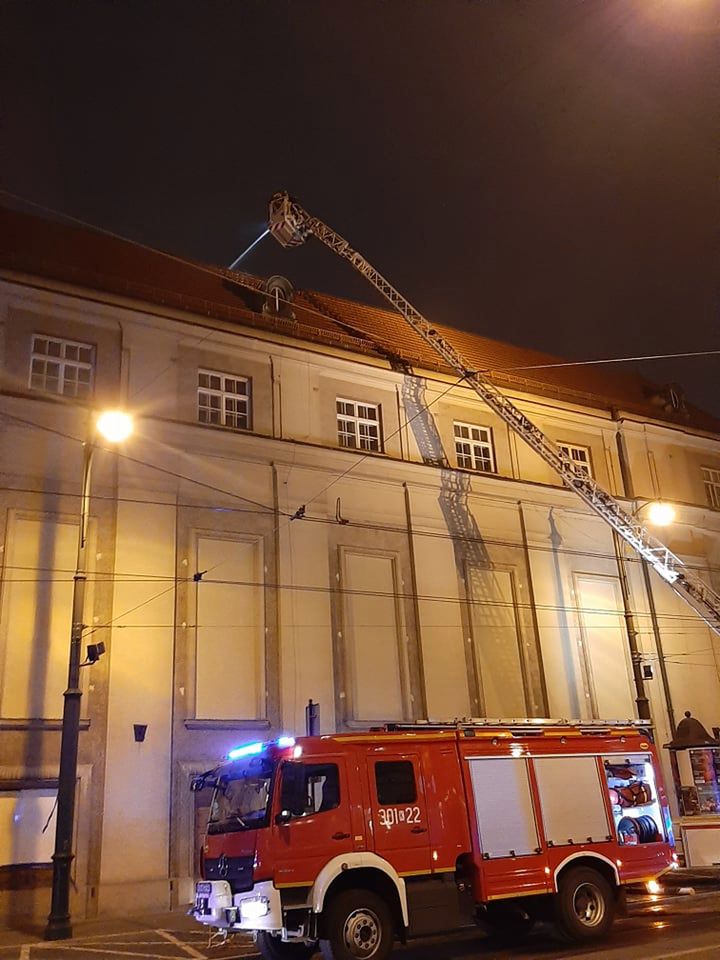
660	514
114	426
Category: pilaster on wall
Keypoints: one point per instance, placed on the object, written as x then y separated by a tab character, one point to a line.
136	833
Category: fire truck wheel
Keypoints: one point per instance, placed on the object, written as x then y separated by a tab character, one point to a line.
273	948
357	926
584	905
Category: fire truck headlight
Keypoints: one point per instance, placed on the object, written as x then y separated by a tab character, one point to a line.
652	886
254	907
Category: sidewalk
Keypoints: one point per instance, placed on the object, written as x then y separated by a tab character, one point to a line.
702	879
175	920
691	877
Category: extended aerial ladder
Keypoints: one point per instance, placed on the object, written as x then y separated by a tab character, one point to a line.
290	224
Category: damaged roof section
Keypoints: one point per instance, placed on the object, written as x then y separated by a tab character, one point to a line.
96	260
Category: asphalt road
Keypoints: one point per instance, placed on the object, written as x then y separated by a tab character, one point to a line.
669	929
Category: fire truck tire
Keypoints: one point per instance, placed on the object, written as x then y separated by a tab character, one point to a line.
273	948
584	905
357	925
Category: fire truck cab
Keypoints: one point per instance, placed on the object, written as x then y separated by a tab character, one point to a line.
349	842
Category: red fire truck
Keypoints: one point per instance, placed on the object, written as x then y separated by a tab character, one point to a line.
349	842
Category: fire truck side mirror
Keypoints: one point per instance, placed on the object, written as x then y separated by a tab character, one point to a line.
283	817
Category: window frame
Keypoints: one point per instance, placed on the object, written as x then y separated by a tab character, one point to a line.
393	784
306	767
567	449
357	420
224	395
28	790
64	364
474	442
711	481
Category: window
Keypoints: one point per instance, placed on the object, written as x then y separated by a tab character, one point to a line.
580	457
223	400
36	616
358	425
309	788
240	801
24	815
61	366
712	486
395	782
373	641
474	447
231	651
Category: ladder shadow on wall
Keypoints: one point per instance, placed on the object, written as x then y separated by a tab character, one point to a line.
477	591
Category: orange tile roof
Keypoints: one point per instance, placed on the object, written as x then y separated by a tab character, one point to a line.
96	260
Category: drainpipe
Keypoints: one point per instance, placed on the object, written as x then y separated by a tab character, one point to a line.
641	698
533	612
658	643
416	609
630	494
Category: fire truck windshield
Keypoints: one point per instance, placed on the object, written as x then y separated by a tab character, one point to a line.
242	796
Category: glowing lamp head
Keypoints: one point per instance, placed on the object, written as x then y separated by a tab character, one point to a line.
284	742
660	513
114	425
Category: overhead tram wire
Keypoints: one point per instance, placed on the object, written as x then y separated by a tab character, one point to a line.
368	456
273	510
549	608
172	587
130	578
143	463
375	527
300	512
222	274
589	363
287	519
647	632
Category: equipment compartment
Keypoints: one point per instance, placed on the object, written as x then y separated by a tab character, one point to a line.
634	799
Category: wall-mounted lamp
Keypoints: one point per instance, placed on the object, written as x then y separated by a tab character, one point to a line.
139	730
93	652
659	512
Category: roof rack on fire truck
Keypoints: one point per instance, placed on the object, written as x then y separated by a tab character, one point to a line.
524	724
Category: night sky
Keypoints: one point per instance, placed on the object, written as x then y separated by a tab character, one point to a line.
540	171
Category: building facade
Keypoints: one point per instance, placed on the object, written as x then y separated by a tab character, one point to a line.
310	507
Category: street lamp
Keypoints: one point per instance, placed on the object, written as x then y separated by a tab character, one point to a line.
114	426
660	513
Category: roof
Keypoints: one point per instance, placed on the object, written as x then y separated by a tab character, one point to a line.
99	261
